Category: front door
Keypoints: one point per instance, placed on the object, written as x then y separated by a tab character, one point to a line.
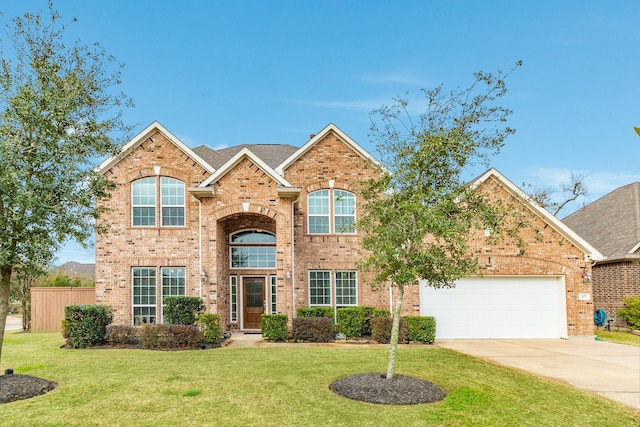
254	301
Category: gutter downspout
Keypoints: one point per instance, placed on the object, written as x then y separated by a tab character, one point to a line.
293	259
200	270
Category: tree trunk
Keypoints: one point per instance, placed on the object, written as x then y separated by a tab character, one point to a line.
393	345
5	287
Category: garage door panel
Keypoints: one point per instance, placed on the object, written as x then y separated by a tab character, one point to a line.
497	308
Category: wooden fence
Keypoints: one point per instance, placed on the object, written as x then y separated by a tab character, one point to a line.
47	305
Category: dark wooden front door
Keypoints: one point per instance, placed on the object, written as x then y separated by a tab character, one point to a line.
253	301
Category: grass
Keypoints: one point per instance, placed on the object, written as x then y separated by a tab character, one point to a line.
620	337
276	386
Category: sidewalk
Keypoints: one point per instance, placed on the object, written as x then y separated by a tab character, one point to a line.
13	324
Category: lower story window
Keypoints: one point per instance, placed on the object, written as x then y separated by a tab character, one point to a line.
144	295
339	288
233	292
144	290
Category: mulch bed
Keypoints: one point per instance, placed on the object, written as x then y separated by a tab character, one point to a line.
373	387
18	387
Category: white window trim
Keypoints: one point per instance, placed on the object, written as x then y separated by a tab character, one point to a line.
332	289
309	289
233	288
161	285
273	295
183	205
155	197
327	215
133	304
332	212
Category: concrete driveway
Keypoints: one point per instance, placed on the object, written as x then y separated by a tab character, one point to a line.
13	324
607	369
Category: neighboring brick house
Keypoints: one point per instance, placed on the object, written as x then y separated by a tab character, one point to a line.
612	225
258	229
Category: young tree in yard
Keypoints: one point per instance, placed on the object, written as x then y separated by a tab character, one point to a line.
58	114
417	216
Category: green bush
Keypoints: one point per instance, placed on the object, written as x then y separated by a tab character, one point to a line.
355	321
210	327
313	329
274	327
631	311
86	325
380	313
381	330
122	335
182	310
166	336
421	329
315	312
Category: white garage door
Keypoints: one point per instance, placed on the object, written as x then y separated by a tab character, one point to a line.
497	307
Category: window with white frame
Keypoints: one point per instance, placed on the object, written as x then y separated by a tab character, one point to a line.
144	202
253	249
172	201
143	289
274	296
233	294
339	288
174	281
331	211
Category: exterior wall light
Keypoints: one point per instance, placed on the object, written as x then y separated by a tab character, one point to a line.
203	275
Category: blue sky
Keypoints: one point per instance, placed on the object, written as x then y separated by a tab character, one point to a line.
223	73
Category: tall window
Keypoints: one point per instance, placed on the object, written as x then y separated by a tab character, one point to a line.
339	289
172	201
144	295
342	205
173	283
253	249
144	202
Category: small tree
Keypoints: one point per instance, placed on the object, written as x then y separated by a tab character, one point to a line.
417	216
58	115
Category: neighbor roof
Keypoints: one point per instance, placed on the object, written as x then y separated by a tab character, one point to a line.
611	223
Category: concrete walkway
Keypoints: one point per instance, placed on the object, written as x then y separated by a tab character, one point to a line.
604	368
13	324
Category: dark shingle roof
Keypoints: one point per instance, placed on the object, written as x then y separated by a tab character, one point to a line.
271	154
611	223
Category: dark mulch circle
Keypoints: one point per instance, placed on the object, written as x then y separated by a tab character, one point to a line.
18	387
374	387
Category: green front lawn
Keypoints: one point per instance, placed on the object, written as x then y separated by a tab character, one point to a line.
276	386
620	337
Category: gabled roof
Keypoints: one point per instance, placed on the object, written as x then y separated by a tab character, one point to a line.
237	158
141	137
542	213
314	140
611	223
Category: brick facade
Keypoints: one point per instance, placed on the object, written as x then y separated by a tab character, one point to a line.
250	196
611	283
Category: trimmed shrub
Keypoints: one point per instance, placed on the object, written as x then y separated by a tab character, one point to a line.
182	310
315	312
122	335
631	311
274	327
313	329
355	321
86	325
377	312
421	329
164	336
381	330
210	327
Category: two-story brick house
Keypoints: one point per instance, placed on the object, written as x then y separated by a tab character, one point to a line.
258	229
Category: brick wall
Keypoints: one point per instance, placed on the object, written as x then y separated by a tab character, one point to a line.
611	283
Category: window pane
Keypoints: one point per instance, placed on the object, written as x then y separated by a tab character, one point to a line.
234	298
143	201
172	201
174	281
253	257
344	209
319	288
318	212
253	236
346	288
144	295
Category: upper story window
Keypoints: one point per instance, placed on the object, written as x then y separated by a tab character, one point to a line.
253	249
144	205
331	211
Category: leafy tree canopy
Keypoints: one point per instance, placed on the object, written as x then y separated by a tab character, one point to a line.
59	113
